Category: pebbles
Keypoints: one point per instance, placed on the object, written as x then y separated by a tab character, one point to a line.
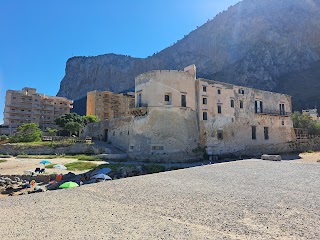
248	199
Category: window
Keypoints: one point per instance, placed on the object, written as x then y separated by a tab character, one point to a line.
219	91
241	104
167	99
232	103
281	106
258	106
241	91
139	101
183	100
204	116
219	109
204	88
266	133
204	100
282	122
254	132
220	134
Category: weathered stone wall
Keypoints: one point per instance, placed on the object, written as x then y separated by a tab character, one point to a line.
154	85
162	134
278	148
18	149
95	130
235	123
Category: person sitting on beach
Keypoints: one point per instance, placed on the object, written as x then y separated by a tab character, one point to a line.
59	177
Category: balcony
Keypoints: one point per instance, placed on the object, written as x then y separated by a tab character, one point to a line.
274	113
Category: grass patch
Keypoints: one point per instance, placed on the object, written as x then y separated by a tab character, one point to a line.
50	165
83	157
2	160
309	151
37	156
80	166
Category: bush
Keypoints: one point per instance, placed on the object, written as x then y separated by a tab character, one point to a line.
29	132
3	137
154	168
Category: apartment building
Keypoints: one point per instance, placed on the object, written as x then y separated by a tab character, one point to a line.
109	105
313	113
26	106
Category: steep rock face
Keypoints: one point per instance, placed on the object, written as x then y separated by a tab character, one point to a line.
253	43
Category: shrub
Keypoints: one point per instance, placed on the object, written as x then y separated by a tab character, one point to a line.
3	137
154	168
29	132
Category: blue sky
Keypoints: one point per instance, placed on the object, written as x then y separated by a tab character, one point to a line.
37	37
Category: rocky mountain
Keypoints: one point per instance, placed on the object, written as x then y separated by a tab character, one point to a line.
255	43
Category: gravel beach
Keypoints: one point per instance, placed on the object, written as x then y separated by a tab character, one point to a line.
248	199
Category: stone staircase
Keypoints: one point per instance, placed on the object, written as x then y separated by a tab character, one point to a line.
111	152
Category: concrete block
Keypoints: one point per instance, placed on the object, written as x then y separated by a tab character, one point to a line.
271	157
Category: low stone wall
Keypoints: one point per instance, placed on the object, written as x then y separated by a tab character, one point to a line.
301	145
77	148
38	178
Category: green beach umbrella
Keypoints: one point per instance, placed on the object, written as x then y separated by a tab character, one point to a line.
68	185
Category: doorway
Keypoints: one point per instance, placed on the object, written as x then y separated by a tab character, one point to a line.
106	135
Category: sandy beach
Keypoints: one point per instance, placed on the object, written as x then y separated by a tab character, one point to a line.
18	165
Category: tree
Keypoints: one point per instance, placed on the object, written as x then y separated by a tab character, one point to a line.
89	119
67	122
69	117
29	132
73	127
305	121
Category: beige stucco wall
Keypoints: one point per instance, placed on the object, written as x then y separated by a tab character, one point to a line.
173	131
236	123
154	85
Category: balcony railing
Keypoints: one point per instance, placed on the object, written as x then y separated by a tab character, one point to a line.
274	112
142	105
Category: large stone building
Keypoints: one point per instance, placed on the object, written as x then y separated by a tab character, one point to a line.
178	115
107	105
27	106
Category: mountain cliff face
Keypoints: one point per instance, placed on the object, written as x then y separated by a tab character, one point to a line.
256	43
